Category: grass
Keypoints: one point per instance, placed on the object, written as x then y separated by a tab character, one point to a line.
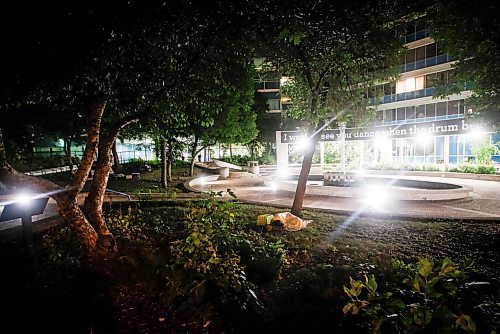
147	183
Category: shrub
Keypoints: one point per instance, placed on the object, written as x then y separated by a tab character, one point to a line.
474	168
237	159
429	300
208	266
136	163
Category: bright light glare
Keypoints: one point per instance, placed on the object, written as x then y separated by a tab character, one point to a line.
382	142
361	173
375	195
422	138
283	173
476	135
303	144
273	185
24	198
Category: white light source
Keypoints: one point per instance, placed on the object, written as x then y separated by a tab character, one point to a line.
283	173
24	198
375	195
383	142
422	138
303	143
273	185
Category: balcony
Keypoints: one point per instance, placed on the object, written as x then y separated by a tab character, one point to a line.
407	96
415	36
416	65
267	85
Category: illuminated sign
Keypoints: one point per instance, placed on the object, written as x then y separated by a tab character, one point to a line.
436	128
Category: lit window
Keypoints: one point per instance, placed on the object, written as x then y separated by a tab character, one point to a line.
400	87
410	85
419	83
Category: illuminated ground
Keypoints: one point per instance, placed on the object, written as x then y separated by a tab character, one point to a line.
484	202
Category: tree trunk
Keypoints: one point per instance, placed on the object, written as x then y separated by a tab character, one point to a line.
163	156
193	156
93	203
116	159
95	198
230	152
300	191
72	214
313	138
170	158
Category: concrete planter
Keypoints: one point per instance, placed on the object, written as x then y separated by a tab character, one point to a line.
223	172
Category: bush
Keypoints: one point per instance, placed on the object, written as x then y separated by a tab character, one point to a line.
137	163
237	159
433	297
474	168
267	159
181	164
208	270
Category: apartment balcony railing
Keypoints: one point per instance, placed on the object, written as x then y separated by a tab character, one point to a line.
416	120
441	59
407	96
264	85
414	36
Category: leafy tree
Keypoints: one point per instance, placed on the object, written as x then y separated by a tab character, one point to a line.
331	51
471	35
93	57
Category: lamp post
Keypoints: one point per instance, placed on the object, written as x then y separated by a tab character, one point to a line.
25	207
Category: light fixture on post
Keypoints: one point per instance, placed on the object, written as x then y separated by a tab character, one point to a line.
25	206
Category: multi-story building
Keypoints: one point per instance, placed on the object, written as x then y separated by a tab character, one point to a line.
411	126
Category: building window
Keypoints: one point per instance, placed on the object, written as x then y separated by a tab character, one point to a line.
410	85
420	111
420	53
430	50
430	110
441	109
410	113
274	104
401	114
461	107
453	107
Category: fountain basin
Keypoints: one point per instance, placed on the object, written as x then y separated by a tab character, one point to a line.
392	188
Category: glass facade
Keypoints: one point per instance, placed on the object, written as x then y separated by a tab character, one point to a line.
421	113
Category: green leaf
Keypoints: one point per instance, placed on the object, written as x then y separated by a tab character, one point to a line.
422	317
356	287
447	268
430	288
424	267
371	283
395	305
296	39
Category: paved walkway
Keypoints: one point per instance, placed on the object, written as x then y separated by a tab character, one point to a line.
483	204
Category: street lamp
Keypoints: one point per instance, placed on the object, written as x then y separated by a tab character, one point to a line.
25	206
